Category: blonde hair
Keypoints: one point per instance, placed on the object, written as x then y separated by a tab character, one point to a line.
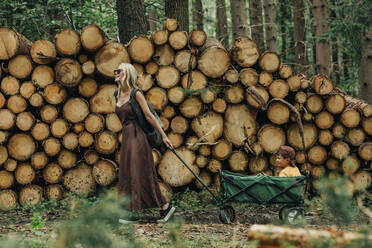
131	75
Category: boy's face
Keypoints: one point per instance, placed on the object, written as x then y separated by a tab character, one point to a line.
282	162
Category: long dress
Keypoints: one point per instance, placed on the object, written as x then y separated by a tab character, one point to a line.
137	173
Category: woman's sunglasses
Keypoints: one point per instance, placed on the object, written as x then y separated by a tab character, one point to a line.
117	71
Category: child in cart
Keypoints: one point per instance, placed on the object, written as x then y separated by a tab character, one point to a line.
285	159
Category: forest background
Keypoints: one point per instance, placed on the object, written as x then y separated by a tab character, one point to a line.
333	37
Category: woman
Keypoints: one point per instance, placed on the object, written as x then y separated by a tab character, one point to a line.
137	174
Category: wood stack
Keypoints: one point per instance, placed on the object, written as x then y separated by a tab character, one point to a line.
221	109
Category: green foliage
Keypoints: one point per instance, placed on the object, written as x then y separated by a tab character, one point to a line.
192	200
37	221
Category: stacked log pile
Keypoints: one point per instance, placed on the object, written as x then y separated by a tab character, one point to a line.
221	109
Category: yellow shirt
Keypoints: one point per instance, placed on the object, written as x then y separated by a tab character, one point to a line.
290	171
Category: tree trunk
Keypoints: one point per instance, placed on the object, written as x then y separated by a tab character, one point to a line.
255	8
131	19
239	18
323	55
198	15
366	66
179	10
222	34
299	35
152	19
270	25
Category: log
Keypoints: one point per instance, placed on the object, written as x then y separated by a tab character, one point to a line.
140	49
24	174
7	119
80	180
68	72
92	38
324	120
164	55
314	104
258	164
106	142
21	146
176	95
294	137
91	157
165	122
350	165
166	191
20	66
178	40
39	160
294	83
16	104
300	157
182	61
157	97
25	121
365	151
94	123
340	149
42	76
75	110
271	138
192	143
52	146
78	127
52	173
152	68
103	102
206	177
231	75
36	100
110	57
85	139
40	131
156	155
55	94
335	104
325	137
88	87
350	118
285	71
67	42
244	52
214	165
222	150
367	125
208	96
214	60
67	159
139	68
3	136
332	164
269	61
317	172
248	77
145	82
27	89
160	37
201	161
191	107
238	162
278	113
8	200
104	172
317	155
171	24
301	97
219	105
234	94
209	126
10	85
6	179
2	100
30	195
59	128
88	68
176	139
179	125
43	52
167	77
278	89
338	130
82	58
355	136
198	38
362	180
12	43
54	192
4	154
257	97
322	85
173	172
168	112
48	113
266	78
240	122
205	150
113	123
197	81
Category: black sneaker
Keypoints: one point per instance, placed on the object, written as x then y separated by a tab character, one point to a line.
166	214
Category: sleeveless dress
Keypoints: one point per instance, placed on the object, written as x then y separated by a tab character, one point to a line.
137	173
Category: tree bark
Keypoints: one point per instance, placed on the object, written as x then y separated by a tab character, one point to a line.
179	10
255	10
270	25
323	55
366	66
198	15
299	35
239	18
221	27
131	19
152	19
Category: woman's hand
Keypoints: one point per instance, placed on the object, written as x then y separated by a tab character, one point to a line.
167	142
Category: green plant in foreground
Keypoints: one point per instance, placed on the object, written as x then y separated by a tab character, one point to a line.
37	221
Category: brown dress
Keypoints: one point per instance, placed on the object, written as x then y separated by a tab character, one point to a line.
137	174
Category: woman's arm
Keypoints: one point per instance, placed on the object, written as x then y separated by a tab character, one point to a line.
151	118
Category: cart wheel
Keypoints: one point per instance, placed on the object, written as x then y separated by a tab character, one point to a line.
227	214
283	212
294	215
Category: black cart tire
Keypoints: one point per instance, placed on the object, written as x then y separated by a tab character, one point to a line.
295	216
227	214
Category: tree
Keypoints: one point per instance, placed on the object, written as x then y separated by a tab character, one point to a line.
270	25
366	66
323	55
299	35
198	15
152	19
221	27
179	10
131	19
255	8
239	18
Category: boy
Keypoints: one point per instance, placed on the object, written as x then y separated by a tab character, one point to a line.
285	159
